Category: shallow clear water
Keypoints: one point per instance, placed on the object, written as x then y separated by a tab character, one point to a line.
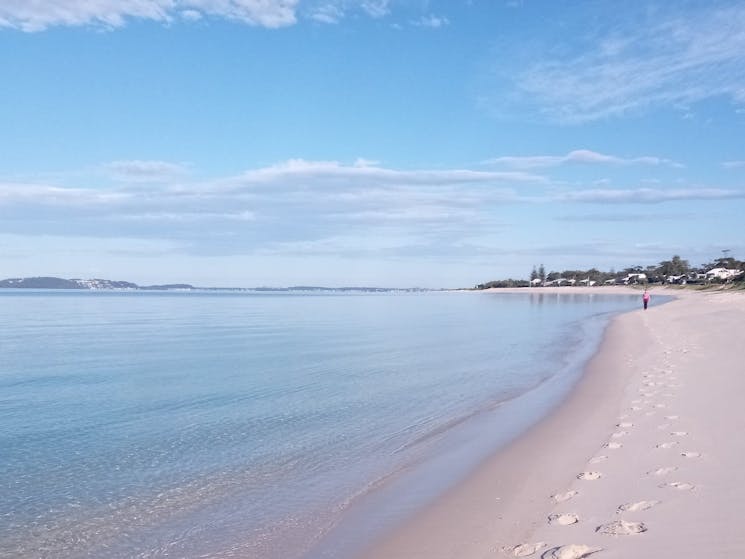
244	424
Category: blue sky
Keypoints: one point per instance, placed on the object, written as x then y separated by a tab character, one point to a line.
367	142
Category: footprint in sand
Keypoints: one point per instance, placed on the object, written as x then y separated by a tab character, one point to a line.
634	507
525	549
598	459
663	426
679	485
662	471
679	433
625	425
672	417
590	476
561	497
637	401
571	551
621	528
634	408
690	454
612	445
619	434
649	413
660	406
564	519
669	444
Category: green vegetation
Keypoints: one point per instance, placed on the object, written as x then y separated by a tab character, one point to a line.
675	271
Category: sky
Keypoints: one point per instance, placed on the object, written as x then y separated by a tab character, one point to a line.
367	142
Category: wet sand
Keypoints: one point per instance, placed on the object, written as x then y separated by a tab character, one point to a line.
643	459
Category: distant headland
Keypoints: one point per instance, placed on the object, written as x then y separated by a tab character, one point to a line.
46	282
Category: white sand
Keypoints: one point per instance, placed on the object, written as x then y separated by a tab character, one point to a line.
644	459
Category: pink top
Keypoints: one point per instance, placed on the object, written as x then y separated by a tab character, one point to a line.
646	297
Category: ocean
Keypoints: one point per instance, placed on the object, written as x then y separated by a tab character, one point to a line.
258	424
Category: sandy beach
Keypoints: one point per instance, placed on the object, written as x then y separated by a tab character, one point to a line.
642	460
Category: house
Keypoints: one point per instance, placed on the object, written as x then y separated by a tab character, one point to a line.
723	274
588	282
535	282
634	278
611	281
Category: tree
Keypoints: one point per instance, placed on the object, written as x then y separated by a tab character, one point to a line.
542	273
533	274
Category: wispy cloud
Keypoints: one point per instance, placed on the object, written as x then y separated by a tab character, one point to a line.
733	164
334	172
657	59
583	156
38	15
49	195
145	171
291	202
628	217
648	195
432	21
327	13
376	8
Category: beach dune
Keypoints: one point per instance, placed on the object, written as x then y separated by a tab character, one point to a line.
643	459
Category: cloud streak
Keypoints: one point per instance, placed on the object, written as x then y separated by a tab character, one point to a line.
145	171
39	15
580	156
648	195
657	60
313	211
734	164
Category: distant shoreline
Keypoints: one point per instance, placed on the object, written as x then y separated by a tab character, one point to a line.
55	283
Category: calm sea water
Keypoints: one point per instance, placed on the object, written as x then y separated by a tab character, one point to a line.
247	425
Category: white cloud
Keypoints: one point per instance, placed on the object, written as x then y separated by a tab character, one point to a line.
189	216
321	219
39	15
327	13
662	61
334	173
431	21
48	195
648	195
376	8
285	203
577	156
145	171
191	15
733	164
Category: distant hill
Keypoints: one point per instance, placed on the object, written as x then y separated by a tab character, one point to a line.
96	283
76	283
41	283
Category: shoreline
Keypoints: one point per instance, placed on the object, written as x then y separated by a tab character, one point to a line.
651	359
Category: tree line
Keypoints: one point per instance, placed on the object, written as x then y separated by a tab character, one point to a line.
677	268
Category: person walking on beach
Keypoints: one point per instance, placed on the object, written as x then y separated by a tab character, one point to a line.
645	299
